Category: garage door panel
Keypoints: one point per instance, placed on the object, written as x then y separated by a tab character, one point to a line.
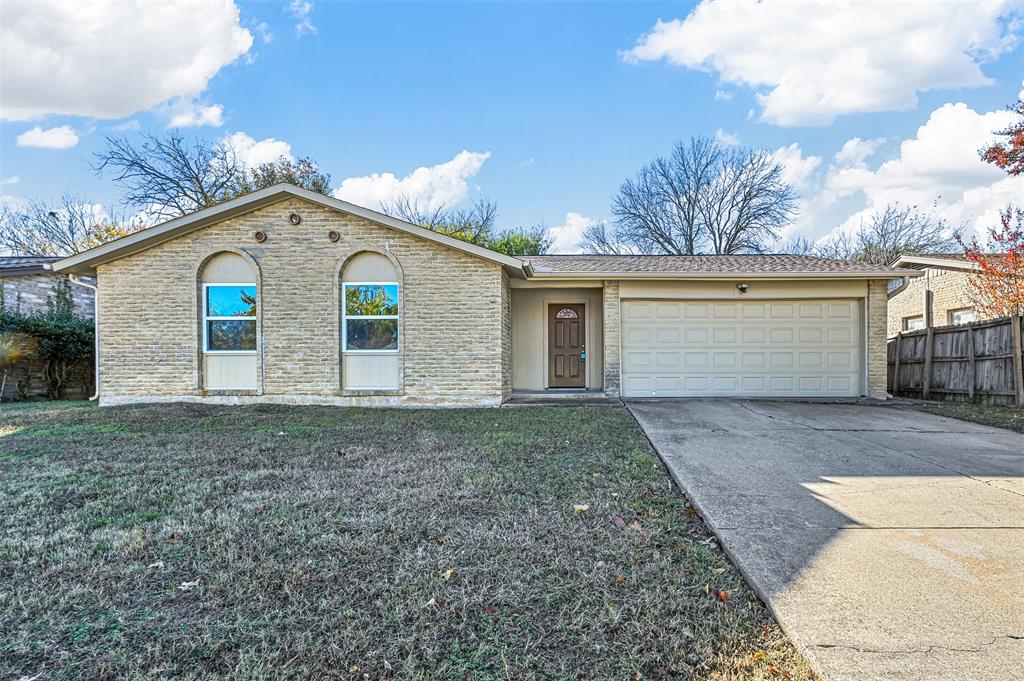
769	348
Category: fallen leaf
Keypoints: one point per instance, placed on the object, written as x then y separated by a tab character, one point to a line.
158	564
580	508
635	526
723	596
689	511
719	571
353	669
175	536
490	610
619	522
759	655
448	574
619	580
188	586
441	538
657	554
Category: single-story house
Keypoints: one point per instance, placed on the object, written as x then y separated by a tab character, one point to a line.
285	295
941	295
27	281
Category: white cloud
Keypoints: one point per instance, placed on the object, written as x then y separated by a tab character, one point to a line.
856	151
796	168
264	30
300	11
190	114
13	179
128	126
810	62
253	153
431	187
62	137
727	139
526	162
566	237
723	96
112	59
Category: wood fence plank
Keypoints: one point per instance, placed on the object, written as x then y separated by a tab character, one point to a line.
972	371
1018	360
929	351
896	369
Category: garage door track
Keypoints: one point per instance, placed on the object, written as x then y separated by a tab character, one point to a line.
888	543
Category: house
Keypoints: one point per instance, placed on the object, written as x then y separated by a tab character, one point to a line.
940	296
285	295
28	281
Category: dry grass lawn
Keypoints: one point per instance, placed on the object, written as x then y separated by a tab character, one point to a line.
289	542
999	416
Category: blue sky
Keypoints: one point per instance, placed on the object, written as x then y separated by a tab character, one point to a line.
543	107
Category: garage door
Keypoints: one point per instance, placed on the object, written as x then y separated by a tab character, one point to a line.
808	348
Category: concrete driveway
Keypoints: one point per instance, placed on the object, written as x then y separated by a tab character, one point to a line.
888	543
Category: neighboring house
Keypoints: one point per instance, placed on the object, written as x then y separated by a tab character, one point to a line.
940	296
28	281
285	295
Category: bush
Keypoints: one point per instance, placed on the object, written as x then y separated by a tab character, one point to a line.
57	338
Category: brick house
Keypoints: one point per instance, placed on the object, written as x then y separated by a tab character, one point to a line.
27	283
285	295
941	295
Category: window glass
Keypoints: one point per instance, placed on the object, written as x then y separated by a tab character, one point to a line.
372	334
371	300
913	323
231	334
567	313
961	316
230	301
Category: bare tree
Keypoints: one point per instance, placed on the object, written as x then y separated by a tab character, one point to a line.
65	227
600	239
170	176
702	197
886	235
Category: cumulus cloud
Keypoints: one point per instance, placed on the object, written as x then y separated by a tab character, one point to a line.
431	187
796	168
810	62
62	137
301	11
253	153
855	151
566	237
13	179
727	139
111	59
190	114
723	96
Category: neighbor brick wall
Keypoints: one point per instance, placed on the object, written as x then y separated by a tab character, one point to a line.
612	342
875	317
506	336
34	289
951	290
453	306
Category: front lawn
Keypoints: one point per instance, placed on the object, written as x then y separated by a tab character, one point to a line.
987	414
312	542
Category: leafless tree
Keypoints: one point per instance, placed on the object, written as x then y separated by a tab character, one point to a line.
171	176
702	198
65	227
886	235
475	224
600	239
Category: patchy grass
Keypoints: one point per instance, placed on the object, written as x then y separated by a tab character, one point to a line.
987	414
288	542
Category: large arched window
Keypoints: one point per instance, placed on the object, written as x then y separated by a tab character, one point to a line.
370	323
229	323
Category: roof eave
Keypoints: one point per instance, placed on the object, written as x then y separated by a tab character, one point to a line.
867	274
86	262
937	263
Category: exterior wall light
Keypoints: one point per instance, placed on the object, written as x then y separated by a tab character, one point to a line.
742	288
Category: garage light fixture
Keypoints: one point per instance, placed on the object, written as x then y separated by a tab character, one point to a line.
742	288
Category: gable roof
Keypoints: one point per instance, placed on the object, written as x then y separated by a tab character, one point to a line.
11	265
704	266
86	262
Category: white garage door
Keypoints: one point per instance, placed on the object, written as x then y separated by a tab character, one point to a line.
808	348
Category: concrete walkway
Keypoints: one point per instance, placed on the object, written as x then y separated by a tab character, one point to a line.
888	543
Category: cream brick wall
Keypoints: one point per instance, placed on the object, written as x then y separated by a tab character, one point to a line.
455	328
951	290
875	318
612	338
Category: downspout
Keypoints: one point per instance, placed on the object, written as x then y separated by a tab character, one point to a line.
73	278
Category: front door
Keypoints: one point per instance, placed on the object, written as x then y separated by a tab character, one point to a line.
566	347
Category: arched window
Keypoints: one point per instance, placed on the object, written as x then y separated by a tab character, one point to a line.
370	323
229	329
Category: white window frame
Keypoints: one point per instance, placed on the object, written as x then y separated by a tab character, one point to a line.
907	320
207	319
345	317
960	310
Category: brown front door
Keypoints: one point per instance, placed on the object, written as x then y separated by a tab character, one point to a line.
566	347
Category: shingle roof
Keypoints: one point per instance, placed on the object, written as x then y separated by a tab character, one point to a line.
696	264
13	264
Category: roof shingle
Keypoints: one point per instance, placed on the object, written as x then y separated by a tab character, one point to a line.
696	264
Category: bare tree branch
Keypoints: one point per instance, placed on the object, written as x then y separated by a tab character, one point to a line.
65	227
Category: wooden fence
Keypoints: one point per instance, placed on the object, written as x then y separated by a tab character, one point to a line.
976	362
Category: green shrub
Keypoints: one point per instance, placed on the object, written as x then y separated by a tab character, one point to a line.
56	339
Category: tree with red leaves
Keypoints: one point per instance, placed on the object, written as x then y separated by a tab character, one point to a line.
1008	154
998	285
